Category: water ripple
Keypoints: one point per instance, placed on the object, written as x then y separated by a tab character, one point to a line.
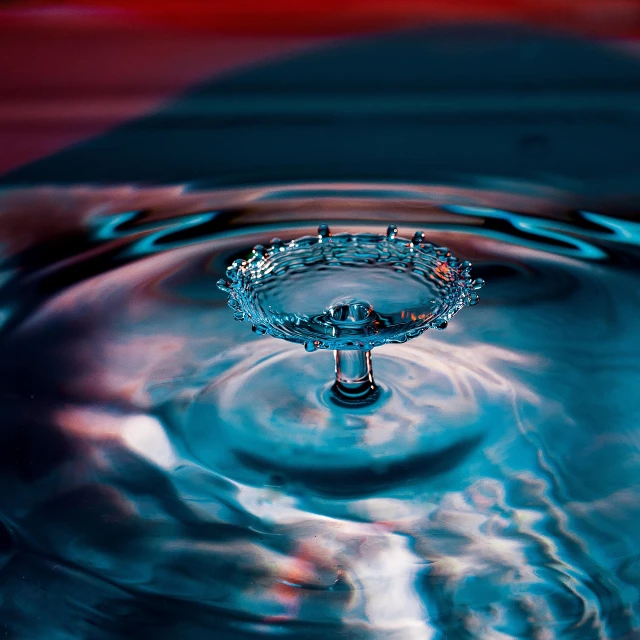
163	469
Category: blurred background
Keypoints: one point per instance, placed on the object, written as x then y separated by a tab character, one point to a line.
552	83
148	487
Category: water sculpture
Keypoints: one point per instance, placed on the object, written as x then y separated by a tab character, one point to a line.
350	293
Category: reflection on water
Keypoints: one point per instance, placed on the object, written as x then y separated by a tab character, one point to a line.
165	473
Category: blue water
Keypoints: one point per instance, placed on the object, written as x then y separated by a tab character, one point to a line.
349	291
166	473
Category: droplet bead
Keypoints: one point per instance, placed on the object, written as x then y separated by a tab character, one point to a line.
392	232
418	237
232	270
223	285
324	231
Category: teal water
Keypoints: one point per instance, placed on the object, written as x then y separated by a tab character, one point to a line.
349	291
167	473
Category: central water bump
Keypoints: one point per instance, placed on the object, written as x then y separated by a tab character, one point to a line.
354	376
351	312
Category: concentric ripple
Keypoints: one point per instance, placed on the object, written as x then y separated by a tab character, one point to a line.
423	421
166	473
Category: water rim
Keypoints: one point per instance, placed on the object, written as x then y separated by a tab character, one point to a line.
435	265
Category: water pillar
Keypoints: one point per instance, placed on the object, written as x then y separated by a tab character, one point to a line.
354	376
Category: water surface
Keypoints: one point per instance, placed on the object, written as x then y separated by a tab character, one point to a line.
167	473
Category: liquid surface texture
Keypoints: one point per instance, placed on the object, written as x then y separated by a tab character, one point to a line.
167	473
349	291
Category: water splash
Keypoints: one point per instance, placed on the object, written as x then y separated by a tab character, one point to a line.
143	493
299	291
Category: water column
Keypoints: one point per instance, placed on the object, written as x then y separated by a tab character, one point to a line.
262	288
354	381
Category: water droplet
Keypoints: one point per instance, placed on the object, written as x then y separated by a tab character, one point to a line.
276	243
440	326
478	283
474	298
260	330
232	271
466	265
223	285
259	250
310	346
392	231
418	237
324	231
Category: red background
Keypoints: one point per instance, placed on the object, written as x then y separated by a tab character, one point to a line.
71	70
